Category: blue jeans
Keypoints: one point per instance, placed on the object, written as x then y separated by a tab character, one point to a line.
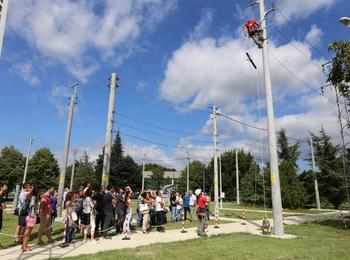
173	213
69	234
178	214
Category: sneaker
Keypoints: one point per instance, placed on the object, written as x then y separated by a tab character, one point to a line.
126	238
64	245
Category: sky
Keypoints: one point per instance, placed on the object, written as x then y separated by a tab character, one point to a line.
174	59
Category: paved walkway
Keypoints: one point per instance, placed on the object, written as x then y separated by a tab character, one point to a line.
139	239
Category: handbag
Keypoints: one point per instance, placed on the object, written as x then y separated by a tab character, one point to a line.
16	212
31	221
23	212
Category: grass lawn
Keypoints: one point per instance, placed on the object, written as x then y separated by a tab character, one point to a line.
9	227
10	224
325	240
233	205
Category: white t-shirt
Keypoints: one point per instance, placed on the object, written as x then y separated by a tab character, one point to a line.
158	205
87	205
193	200
179	204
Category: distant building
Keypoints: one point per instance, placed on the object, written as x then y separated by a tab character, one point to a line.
3	14
172	175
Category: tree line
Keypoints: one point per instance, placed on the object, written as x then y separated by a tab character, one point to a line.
297	188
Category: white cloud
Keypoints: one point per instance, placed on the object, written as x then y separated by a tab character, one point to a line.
64	30
201	29
211	71
314	35
299	9
59	97
25	71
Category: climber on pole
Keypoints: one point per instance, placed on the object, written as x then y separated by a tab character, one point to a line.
252	30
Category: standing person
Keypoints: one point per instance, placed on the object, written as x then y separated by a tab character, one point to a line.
98	198
192	203
22	211
186	201
108	210
45	216
145	211
70	218
65	192
201	212
3	190
32	199
160	213
88	207
173	206
53	203
179	207
128	215
121	210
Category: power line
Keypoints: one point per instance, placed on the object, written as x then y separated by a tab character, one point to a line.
256	127
155	126
158	134
165	145
297	48
297	30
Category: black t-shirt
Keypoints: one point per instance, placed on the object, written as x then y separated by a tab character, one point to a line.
107	202
99	201
173	200
1	201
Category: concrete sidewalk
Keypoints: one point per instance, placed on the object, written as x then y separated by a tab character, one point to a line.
140	239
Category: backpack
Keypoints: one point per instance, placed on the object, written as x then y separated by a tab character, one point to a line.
79	207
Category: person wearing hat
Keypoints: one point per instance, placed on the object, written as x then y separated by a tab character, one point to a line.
201	213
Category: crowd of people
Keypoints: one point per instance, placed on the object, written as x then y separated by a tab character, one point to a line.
97	213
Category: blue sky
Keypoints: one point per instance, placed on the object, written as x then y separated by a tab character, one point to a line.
174	59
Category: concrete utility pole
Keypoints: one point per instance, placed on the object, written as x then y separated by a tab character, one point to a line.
203	180
66	147
237	180
188	173
3	14
216	186
30	141
318	204
278	228
18	188
109	130
220	181
75	151
143	172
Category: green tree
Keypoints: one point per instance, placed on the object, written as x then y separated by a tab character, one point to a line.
12	164
123	171
157	173
252	189
196	170
157	178
99	166
330	178
339	75
43	169
84	173
292	190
